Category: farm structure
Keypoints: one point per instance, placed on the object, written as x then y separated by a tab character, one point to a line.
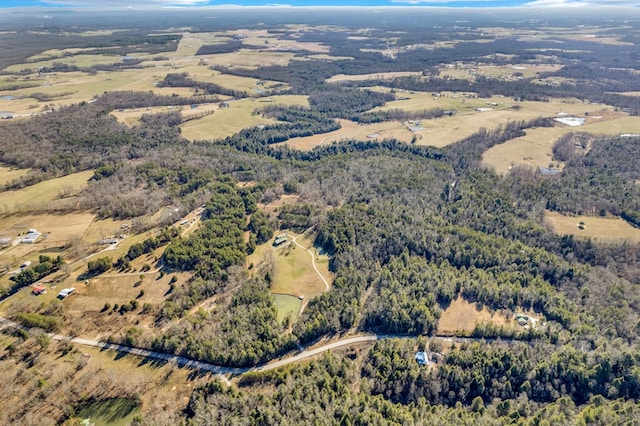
38	289
65	292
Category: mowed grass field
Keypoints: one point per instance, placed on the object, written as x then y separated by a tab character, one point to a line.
462	317
48	195
535	149
239	115
601	228
446	130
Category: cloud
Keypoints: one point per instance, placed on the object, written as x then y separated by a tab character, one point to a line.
582	3
127	3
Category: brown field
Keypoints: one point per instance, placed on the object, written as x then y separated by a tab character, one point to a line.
48	195
8	174
601	228
273	207
462	317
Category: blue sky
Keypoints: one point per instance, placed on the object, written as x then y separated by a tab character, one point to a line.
195	3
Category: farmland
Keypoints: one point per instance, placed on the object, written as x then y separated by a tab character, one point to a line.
230	189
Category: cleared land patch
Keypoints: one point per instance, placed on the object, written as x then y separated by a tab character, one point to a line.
462	317
352	130
8	174
601	228
288	306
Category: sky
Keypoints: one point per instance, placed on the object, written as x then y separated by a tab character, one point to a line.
195	3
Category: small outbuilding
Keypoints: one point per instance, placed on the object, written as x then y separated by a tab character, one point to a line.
280	239
38	289
66	292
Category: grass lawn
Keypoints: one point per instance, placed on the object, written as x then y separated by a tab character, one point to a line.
287	306
601	228
112	412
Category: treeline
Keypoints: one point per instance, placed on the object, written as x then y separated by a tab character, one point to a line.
397	114
131	99
29	275
183	80
347	103
242	331
599	178
300	122
214	49
329	390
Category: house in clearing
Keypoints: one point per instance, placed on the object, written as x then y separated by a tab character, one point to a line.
38	289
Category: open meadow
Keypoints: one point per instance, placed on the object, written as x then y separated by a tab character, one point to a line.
461	317
599	228
240	114
535	149
52	194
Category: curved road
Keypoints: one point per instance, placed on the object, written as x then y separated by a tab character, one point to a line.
219	369
313	262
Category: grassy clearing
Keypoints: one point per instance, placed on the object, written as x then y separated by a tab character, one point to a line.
112	412
294	274
287	306
292	269
462	317
78	60
601	228
48	195
534	149
352	130
8	174
238	116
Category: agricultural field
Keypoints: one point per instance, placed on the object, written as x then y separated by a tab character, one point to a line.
598	228
360	77
353	131
8	174
535	148
52	194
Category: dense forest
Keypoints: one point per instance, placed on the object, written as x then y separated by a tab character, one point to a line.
409	229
